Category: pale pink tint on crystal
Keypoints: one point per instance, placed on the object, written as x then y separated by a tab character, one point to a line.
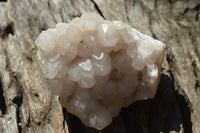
98	67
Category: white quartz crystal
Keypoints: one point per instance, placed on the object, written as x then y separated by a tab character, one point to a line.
98	67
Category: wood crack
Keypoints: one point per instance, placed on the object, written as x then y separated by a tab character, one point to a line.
50	10
126	9
195	74
2	100
19	98
3	0
97	8
5	31
18	101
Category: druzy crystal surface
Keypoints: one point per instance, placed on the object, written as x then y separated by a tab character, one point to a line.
98	67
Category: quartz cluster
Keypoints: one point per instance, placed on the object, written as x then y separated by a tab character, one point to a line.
98	67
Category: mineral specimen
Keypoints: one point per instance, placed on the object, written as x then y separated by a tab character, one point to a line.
98	66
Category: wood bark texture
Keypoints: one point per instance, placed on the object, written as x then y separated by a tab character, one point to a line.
26	103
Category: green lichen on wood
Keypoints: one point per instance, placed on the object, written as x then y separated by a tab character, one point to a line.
73	3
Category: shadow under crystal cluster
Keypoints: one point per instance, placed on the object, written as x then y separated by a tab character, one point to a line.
98	66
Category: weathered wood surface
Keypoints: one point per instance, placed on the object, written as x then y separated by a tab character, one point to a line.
26	104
